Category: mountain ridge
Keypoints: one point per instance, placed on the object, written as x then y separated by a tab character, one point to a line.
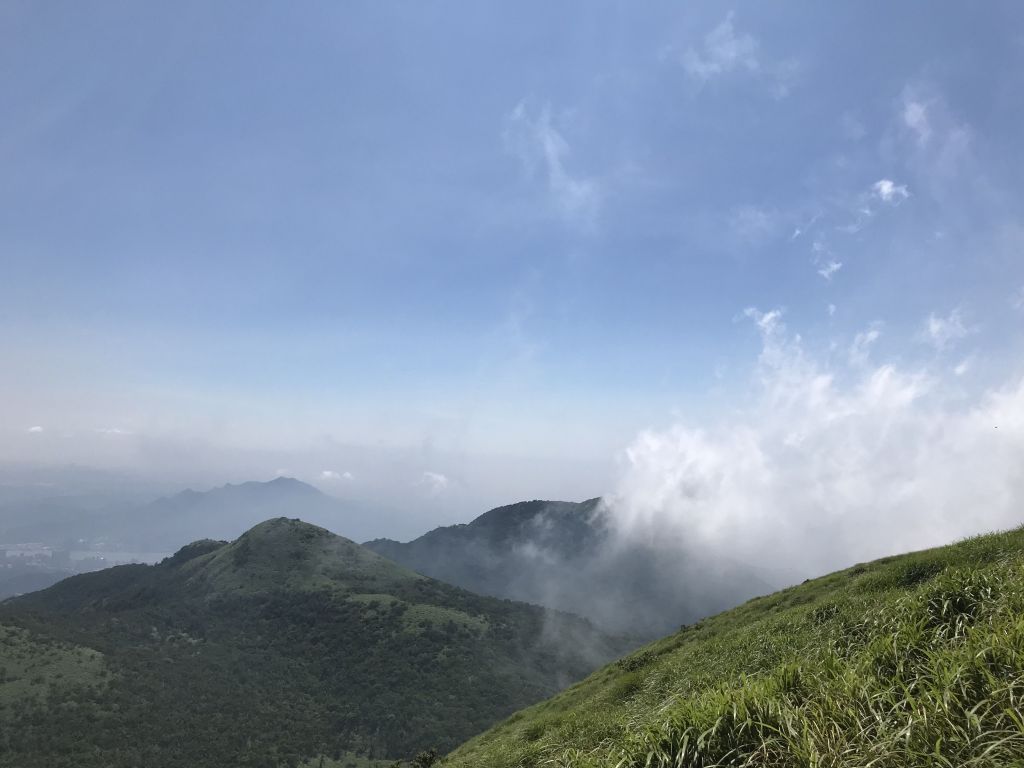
569	556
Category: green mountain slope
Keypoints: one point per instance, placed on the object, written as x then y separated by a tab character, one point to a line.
286	644
911	660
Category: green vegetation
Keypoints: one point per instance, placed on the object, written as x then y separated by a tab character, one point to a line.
912	660
34	669
286	645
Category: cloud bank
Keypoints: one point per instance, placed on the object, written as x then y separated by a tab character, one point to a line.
829	465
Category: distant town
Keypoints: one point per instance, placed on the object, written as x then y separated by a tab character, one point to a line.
28	566
37	554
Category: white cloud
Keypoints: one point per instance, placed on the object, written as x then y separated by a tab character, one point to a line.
962	367
334	476
888	191
860	349
827	466
724	51
939	150
113	431
830	269
915	117
434	482
850	214
537	142
34	430
831	310
941	332
767	322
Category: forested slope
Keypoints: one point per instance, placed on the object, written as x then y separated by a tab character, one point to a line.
288	643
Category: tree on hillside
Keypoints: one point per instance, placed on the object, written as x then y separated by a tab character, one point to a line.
425	759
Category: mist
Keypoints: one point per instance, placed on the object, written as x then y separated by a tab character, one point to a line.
834	459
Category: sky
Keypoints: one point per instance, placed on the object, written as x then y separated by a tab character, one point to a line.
452	255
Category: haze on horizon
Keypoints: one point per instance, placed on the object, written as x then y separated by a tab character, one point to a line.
743	269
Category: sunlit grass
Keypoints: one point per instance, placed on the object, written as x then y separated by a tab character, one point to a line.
914	660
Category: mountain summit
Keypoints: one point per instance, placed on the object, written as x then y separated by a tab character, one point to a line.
288	554
288	643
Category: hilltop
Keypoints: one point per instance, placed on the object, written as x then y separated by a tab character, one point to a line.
910	660
286	644
566	555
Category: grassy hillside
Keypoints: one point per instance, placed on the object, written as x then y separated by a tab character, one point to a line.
911	660
287	644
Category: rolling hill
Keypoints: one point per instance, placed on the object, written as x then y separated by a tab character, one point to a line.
286	644
916	660
565	555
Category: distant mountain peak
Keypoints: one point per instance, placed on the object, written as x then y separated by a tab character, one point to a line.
278	484
527	510
567	556
284	480
227	511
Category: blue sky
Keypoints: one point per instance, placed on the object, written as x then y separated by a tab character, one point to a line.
485	243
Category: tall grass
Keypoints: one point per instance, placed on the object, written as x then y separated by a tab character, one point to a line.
936	679
912	661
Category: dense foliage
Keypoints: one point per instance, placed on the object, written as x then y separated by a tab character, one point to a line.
909	661
287	644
